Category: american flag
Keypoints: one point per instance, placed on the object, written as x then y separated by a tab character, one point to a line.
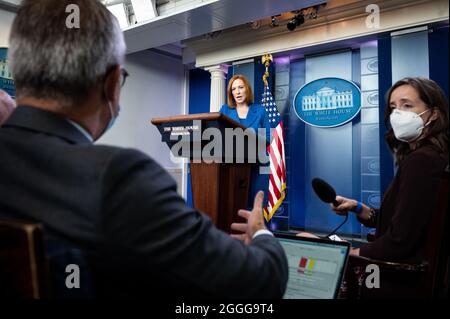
277	177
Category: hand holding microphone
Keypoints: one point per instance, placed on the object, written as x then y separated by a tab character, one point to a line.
328	195
343	205
339	204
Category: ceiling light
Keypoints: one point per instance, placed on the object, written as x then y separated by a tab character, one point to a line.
274	22
299	19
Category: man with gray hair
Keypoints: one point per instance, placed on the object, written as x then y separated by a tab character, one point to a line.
113	210
6	106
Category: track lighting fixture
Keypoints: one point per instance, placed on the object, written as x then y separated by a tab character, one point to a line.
296	21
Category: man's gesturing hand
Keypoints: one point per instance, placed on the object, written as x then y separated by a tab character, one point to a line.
255	220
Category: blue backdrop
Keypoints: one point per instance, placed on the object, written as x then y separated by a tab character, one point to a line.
353	157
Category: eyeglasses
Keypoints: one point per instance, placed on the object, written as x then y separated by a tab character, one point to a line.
123	76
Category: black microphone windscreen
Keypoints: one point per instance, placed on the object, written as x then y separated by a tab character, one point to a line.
325	192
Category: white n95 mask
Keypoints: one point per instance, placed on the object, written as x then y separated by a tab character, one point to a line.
407	126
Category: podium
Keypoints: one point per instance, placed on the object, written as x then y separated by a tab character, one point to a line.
220	175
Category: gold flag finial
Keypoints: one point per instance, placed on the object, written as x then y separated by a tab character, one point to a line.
266	59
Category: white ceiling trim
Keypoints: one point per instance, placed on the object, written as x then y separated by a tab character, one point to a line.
236	45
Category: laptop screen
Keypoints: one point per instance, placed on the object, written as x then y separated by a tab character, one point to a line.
316	266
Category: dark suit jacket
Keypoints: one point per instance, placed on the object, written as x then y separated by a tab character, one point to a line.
121	209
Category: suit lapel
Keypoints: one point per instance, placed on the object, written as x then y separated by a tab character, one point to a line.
252	116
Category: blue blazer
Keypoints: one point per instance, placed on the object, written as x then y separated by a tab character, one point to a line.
256	118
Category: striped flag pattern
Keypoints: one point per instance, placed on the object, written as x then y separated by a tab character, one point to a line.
277	178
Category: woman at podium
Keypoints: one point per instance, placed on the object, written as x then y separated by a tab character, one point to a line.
241	108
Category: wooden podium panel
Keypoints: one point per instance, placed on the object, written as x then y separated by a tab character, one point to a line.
220	187
220	190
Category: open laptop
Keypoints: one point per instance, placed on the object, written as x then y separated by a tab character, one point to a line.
316	266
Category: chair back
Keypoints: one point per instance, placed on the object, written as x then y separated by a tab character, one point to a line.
436	251
23	263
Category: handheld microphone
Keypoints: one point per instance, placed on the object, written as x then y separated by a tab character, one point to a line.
324	190
328	195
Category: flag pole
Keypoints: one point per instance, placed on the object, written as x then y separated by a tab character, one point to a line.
277	178
266	59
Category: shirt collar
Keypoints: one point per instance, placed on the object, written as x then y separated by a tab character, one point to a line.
82	130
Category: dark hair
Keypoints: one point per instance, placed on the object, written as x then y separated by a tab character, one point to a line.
51	58
434	134
249	98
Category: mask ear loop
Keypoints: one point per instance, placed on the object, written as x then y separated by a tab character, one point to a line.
429	118
423	129
111	110
111	113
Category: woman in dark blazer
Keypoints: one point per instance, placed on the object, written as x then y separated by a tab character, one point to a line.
417	118
241	108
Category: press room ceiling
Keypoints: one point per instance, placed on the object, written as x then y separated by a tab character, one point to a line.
179	20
